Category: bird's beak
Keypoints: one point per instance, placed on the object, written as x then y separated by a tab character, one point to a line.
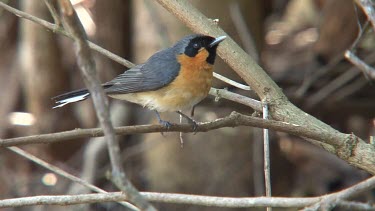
217	41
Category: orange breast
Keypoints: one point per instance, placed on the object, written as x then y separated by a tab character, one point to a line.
190	87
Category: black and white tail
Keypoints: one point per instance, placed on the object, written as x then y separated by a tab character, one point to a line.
71	97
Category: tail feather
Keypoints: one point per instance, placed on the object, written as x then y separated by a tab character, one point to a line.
71	97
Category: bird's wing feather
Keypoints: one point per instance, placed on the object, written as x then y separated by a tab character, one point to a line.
156	73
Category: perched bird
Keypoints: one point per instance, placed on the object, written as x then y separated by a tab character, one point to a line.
172	79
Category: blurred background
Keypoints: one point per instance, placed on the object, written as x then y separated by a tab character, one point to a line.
300	43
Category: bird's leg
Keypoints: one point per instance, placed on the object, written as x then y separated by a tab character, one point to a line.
163	122
190	120
192	111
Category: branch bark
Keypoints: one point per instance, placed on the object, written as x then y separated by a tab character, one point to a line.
346	146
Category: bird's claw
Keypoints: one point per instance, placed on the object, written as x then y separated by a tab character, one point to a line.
165	123
194	125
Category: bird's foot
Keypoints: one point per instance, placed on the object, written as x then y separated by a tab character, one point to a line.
194	125
165	123
191	121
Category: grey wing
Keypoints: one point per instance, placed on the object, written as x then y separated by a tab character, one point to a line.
157	72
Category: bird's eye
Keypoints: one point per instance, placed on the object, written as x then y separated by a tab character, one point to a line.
196	45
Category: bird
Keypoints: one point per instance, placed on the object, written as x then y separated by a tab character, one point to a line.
171	80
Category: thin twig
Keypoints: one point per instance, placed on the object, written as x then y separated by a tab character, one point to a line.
266	149
223	93
53	12
363	66
337	83
58	29
316	74
231	82
351	88
331	87
360	33
330	201
63	173
368	7
87	65
243	30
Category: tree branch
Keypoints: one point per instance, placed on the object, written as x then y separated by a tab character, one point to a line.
53	12
368	7
87	65
328	201
348	147
365	68
266	157
233	120
331	200
62	173
223	93
245	202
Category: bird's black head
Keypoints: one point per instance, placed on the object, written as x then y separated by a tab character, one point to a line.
193	44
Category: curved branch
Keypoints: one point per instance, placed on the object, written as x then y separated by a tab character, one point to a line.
328	202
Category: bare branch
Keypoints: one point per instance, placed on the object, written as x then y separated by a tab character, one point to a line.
62	173
368	7
266	149
243	30
231	82
222	93
53	12
331	200
337	83
243	202
233	120
87	65
365	68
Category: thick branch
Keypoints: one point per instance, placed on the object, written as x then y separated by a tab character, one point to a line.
348	147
